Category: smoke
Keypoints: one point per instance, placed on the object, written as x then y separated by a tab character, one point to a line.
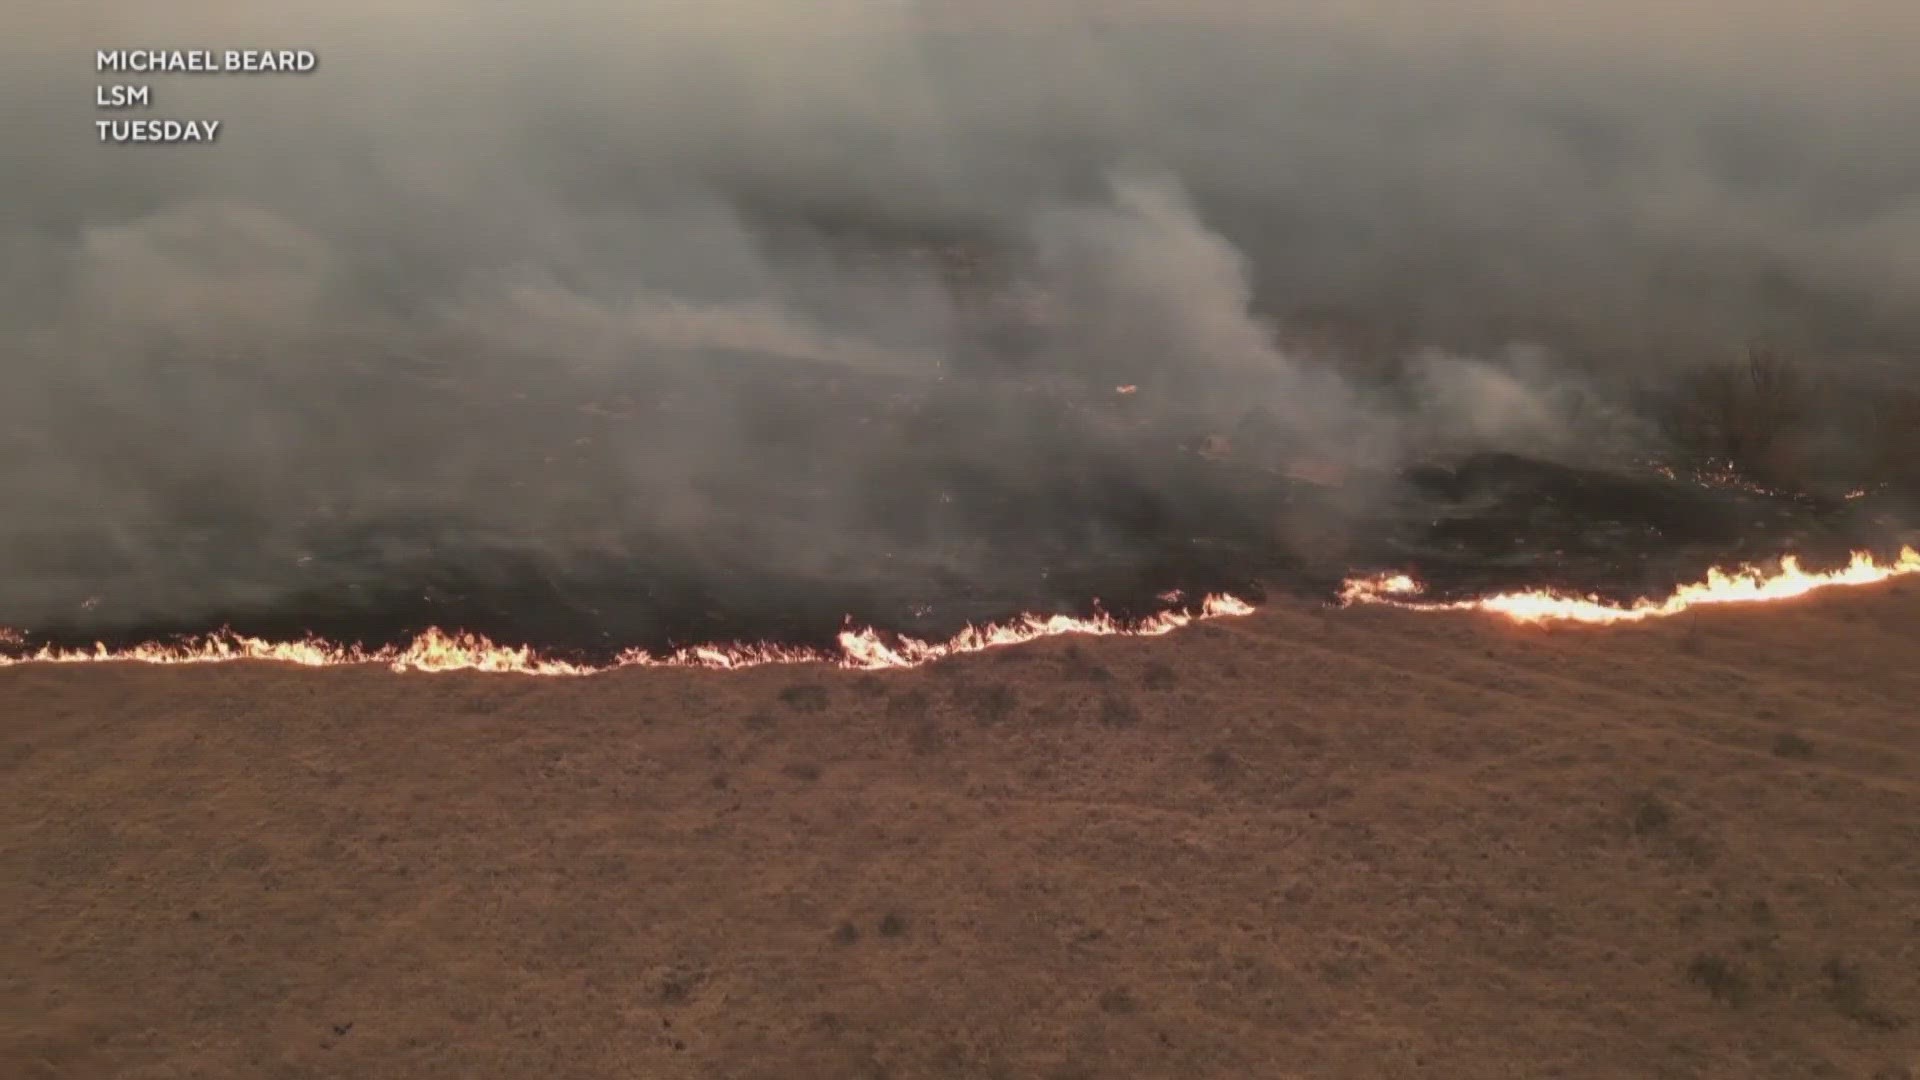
847	288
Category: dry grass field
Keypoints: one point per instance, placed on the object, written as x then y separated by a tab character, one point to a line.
1364	843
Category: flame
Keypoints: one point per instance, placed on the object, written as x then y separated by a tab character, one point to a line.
865	649
1745	585
439	651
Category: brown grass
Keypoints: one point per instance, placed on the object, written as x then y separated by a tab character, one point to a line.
1367	844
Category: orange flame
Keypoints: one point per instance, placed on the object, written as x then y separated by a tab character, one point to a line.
1745	585
439	651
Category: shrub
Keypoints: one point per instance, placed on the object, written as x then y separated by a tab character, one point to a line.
1718	976
1789	745
1750	416
1118	712
989	703
805	697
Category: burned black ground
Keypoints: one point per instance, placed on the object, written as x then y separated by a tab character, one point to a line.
1115	524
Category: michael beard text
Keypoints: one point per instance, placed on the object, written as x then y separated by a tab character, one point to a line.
237	61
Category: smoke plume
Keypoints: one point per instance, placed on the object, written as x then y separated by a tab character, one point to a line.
848	289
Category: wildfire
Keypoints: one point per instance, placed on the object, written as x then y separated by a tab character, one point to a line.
440	651
1744	585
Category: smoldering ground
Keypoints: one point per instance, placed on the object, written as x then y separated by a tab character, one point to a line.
652	322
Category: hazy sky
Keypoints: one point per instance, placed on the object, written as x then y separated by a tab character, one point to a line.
1575	166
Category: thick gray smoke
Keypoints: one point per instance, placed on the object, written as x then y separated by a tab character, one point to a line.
580	272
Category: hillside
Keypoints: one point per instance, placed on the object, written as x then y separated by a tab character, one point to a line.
1309	842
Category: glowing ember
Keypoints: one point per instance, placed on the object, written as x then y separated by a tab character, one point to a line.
438	651
1746	585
